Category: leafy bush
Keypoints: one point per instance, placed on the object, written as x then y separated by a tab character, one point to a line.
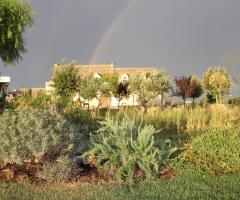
58	171
217	151
82	118
234	101
27	99
126	149
35	135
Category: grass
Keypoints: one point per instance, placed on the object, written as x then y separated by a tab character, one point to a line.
182	187
186	120
177	124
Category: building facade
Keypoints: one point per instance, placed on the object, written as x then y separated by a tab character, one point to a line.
97	71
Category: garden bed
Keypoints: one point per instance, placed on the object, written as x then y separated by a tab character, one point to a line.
87	175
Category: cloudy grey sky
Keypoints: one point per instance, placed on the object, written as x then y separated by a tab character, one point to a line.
183	36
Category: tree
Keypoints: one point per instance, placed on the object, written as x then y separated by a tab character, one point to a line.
109	84
90	88
217	82
122	91
188	87
207	99
196	89
66	82
15	17
112	87
162	84
183	87
149	87
237	80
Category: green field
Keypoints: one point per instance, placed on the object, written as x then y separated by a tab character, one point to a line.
182	187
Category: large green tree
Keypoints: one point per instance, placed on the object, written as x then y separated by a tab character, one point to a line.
217	82
66	82
162	84
15	17
90	88
149	87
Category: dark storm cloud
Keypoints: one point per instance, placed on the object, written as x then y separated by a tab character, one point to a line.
63	29
184	36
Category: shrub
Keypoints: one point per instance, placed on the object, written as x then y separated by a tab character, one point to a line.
57	171
125	149
82	118
216	151
27	100
234	101
35	135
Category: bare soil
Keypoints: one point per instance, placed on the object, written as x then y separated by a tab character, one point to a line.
89	175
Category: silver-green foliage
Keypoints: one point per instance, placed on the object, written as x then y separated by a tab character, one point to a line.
58	171
124	148
149	87
35	134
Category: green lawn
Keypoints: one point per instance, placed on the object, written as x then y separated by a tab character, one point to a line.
183	187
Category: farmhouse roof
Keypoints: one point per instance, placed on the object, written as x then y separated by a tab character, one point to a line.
85	70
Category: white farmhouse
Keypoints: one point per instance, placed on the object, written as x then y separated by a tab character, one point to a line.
97	71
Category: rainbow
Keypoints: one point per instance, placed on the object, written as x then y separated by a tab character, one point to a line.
109	31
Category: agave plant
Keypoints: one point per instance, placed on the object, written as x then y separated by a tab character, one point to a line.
125	149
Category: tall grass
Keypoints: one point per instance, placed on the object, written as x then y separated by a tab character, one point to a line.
181	119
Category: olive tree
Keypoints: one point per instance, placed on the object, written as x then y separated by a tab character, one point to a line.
89	88
66	82
217	82
109	84
149	87
15	17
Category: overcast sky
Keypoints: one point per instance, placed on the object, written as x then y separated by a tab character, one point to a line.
183	36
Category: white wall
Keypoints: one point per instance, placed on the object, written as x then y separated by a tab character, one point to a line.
93	103
49	87
132	100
